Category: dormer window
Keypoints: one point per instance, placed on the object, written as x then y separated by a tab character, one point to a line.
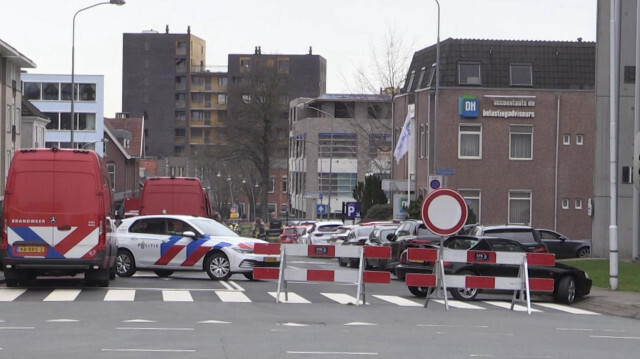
521	74
469	73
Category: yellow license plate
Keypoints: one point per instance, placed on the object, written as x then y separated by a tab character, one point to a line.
415	261
270	259
30	249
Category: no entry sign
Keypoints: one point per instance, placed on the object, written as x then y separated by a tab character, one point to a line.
444	211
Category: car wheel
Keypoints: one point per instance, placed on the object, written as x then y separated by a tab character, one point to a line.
163	273
584	253
217	266
342	262
11	283
566	291
125	263
400	275
465	293
420	292
248	275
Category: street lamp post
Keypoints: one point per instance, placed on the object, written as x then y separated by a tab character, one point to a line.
105	140
73	59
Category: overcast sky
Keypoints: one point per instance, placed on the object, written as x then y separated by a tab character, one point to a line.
344	32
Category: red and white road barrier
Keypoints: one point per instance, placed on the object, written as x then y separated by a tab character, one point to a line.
521	284
285	273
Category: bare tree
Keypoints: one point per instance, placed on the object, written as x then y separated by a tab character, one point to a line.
257	104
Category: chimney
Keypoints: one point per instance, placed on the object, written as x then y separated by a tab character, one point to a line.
310	50
166	29
189	29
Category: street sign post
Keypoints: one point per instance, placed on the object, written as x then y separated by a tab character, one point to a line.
444	211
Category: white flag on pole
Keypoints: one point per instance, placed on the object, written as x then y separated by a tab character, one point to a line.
404	141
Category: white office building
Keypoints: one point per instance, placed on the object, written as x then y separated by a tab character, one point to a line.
51	94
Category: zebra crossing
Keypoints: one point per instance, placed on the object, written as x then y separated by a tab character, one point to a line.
232	295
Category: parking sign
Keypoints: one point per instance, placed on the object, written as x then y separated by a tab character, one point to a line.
353	209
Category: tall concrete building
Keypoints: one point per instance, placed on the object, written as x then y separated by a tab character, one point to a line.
166	80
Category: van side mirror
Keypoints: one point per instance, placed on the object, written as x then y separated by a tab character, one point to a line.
391	237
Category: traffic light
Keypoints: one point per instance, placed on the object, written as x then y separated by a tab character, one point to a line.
636	161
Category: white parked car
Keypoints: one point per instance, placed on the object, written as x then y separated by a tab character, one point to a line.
168	243
320	232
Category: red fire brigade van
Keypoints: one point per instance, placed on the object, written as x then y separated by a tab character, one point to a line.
58	217
175	195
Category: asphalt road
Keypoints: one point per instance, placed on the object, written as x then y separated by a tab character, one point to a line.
190	316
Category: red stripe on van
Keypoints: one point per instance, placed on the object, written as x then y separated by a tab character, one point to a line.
73	239
169	255
195	256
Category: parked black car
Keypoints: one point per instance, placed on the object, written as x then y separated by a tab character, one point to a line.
564	247
411	233
570	283
525	235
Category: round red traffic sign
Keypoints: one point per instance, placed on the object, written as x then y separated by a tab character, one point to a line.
444	211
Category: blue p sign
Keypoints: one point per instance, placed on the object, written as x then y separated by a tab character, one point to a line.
353	210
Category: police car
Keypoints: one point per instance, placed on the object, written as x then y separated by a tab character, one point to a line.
168	243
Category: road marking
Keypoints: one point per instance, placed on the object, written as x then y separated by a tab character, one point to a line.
62	321
63	295
235	297
10	294
151	350
459	304
612	337
138	321
236	286
176	296
163	329
342	298
213	322
360	323
293	298
566	309
507	305
120	295
453	326
16	328
403	302
331	353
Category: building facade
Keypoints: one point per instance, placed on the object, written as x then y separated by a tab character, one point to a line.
11	64
626	222
51	94
335	141
124	148
513	130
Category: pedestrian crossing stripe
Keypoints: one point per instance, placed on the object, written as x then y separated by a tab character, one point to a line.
234	296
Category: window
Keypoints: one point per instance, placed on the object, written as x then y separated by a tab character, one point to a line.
284	208
578	203
579	139
284	184
432	75
181	47
180	132
566	139
520	144
345	145
423	140
272	184
245	64
519	207
472	198
337	184
283	65
54	118
379	144
50	91
422	71
181	116
87	92
246	99
343	110
565	203
470	142
521	75
32	90
413	75
65	92
222	99
469	73
111	167
85	121
222	82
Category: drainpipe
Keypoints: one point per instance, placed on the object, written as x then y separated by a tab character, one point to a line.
555	184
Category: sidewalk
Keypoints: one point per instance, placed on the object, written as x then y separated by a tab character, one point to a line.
606	301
